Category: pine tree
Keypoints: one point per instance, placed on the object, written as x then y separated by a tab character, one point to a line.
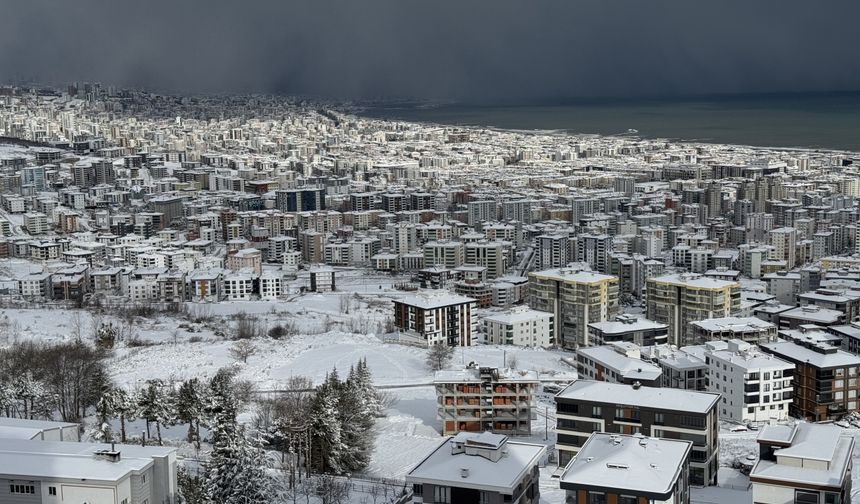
125	407
365	384
235	473
188	406
356	421
154	407
328	446
105	411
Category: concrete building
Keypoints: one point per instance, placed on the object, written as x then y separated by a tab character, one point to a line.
473	468
519	326
619	362
50	472
436	318
576	298
825	378
628	328
628	469
478	399
755	386
749	329
678	300
803	463
588	406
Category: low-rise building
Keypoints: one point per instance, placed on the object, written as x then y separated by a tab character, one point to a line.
587	406
803	463
749	329
628	328
478	468
68	472
478	399
519	326
619	362
629	469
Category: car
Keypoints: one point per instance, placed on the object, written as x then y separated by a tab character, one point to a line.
739	428
752	427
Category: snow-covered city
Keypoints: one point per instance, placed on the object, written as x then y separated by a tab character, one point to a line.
264	299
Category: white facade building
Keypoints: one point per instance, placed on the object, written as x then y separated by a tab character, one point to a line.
519	326
755	386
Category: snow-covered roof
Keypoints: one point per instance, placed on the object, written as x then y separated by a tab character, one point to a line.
628	367
626	325
647	397
734	324
516	315
621	462
823	443
48	459
446	468
573	275
694	281
805	353
429	300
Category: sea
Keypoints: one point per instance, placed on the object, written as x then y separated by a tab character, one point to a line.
810	121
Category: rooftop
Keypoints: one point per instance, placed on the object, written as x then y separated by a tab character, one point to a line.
627	462
444	466
647	397
49	459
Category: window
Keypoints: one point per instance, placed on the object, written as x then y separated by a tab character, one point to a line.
417	489
803	497
442	494
831	498
659	418
596	411
143	479
52	490
484	498
22	489
596	498
628	499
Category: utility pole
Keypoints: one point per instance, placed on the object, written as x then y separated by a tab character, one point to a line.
546	423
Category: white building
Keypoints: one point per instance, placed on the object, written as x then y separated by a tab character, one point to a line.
238	287
803	463
755	386
271	286
619	362
54	472
519	326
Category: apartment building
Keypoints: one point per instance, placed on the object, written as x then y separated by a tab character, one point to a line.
478	468
478	399
678	300
825	378
436	318
628	469
576	298
755	386
48	472
519	326
628	328
619	362
552	251
750	329
490	255
683	368
803	463
587	406
448	254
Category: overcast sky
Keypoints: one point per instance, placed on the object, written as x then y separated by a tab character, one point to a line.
469	50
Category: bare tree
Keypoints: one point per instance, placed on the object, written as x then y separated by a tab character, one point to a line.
438	356
77	323
242	349
512	361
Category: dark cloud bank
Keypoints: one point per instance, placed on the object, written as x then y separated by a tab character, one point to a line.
470	50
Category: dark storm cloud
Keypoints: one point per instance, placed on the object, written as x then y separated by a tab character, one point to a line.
460	49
